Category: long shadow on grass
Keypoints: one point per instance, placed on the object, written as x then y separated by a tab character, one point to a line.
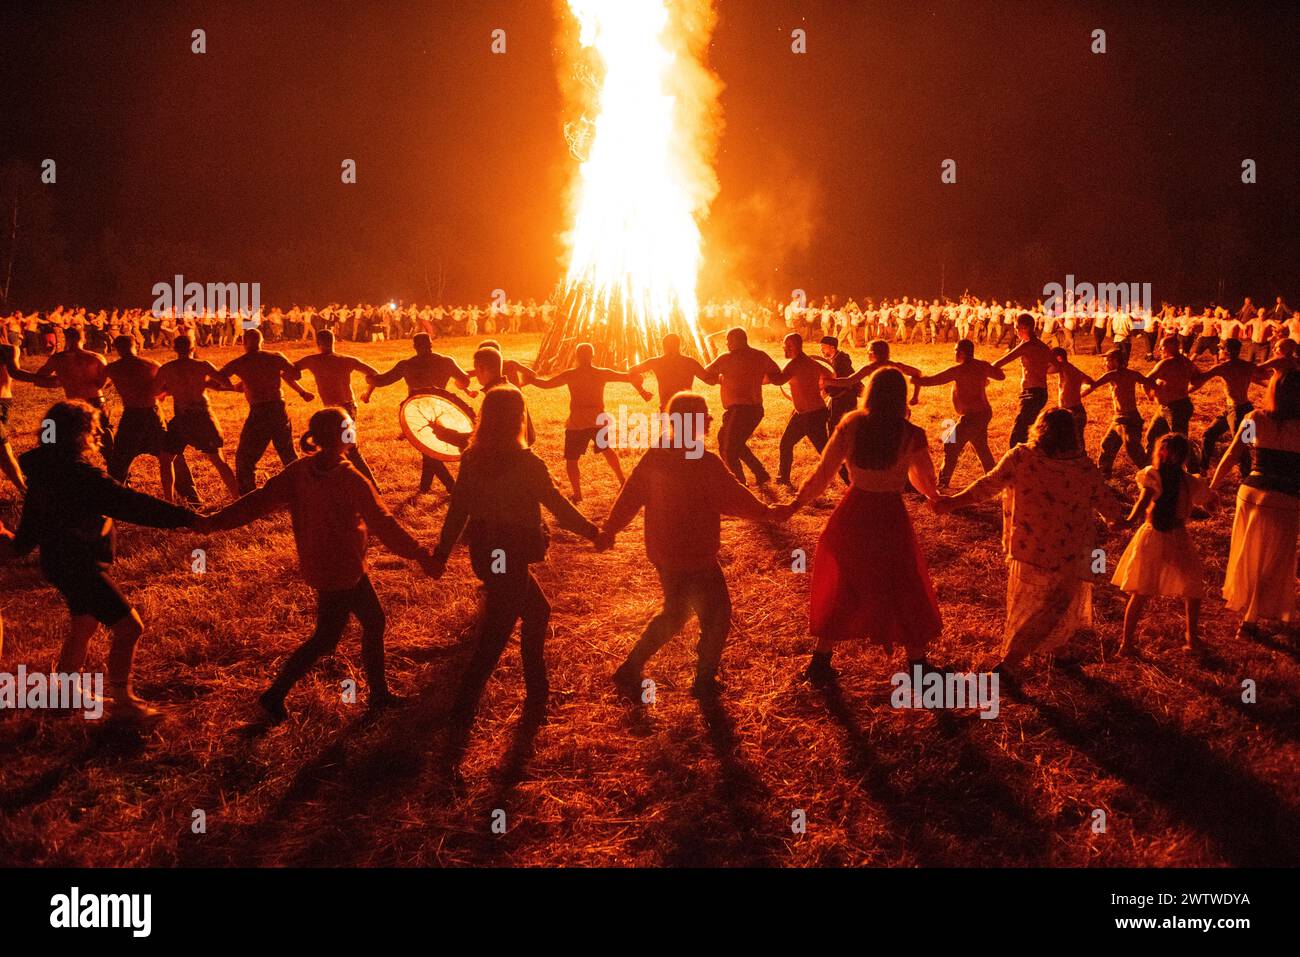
1248	823
746	836
950	801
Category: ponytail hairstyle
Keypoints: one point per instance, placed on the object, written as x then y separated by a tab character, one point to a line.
879	439
1169	456
324	429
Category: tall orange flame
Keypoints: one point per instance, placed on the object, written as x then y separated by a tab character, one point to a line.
645	179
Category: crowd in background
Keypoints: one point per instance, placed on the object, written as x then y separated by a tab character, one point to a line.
903	320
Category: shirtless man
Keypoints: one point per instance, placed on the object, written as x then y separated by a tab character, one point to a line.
333	374
1171	385
1035	357
1071	380
742	369
141	430
878	349
586	384
79	372
1126	428
970	378
8	461
673	371
805	374
187	380
260	374
425	372
1236	374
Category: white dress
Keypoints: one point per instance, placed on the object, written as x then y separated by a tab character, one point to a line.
1164	564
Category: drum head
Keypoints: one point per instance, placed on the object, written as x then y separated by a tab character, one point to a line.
437	423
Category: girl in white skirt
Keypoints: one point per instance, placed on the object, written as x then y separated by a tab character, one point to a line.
1260	581
1161	560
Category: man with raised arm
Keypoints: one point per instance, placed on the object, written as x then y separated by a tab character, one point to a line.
586	384
333	374
187	379
425	372
673	371
1035	357
260	374
742	370
970	378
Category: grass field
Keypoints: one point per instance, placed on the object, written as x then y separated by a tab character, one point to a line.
1186	773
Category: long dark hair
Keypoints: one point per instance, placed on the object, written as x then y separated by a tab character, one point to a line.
1169	456
881	432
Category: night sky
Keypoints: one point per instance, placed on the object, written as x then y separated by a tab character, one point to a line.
1120	167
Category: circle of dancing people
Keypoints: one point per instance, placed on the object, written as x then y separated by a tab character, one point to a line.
870	581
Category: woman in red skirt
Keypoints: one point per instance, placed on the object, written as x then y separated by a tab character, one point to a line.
870	580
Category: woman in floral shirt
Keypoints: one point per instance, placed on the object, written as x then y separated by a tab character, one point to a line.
1050	493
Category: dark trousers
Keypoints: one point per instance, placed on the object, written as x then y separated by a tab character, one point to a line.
1032	401
333	608
1080	414
267	424
511	596
971	429
1227	423
802	425
431	469
1125	431
738	424
1174	417
703	592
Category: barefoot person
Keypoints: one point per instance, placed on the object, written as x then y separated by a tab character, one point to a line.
333	374
496	505
1050	491
673	371
425	372
68	515
1260	582
334	508
260	373
805	374
1161	560
742	370
1126	427
970	378
187	379
1035	357
870	581
684	490
586	384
